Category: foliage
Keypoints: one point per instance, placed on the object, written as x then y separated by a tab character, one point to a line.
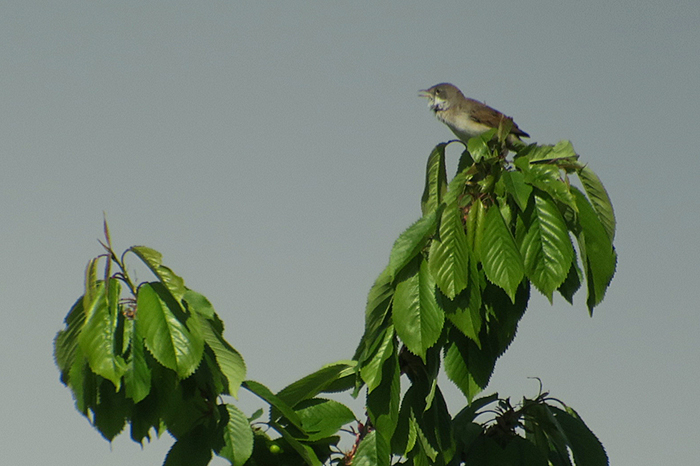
153	355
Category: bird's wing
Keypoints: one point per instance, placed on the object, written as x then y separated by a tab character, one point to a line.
485	115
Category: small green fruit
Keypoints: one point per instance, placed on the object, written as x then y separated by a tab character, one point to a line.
275	449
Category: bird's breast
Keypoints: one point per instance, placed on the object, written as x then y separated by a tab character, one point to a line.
461	125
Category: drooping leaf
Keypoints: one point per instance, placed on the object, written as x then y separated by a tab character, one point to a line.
435	180
384	401
500	256
322	418
162	322
435	427
91	280
154	260
281	408
585	446
546	433
518	452
316	382
514	182
145	415
548	178
373	451
599	198
478	146
199	303
376	315
192	449
409	244
573	281
111	410
228	359
475	227
503	316
97	339
237	435
305	451
417	317
546	248
464	312
597	253
467	365
66	342
138	375
83	382
371	370
449	253
538	154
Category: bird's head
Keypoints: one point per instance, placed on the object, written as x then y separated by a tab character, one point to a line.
441	96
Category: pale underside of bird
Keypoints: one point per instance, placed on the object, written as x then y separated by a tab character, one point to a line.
467	117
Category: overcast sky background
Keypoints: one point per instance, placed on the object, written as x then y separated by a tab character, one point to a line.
273	151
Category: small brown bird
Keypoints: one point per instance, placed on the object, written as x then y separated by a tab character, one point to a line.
466	117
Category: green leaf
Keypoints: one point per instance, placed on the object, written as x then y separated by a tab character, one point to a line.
91	280
237	436
547	434
465	161
83	383
464	312
500	257
371	371
546	248
384	401
279	405
585	446
478	146
515	185
449	253
435	180
192	449
475	227
410	243
66	341
467	365
110	410
199	303
548	178
436	426
405	434
376	315
599	198
137	377
161	322
597	253
373	450
228	359
316	382
322	418
97	339
154	260
417	317
305	451
519	452
573	281
145	415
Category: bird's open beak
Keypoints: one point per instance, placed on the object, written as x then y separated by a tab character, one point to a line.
424	93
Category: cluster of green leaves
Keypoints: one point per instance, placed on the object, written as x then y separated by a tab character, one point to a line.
552	435
155	357
458	281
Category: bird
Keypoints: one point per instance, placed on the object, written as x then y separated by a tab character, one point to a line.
467	117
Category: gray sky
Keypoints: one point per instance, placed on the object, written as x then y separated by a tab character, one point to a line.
272	151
